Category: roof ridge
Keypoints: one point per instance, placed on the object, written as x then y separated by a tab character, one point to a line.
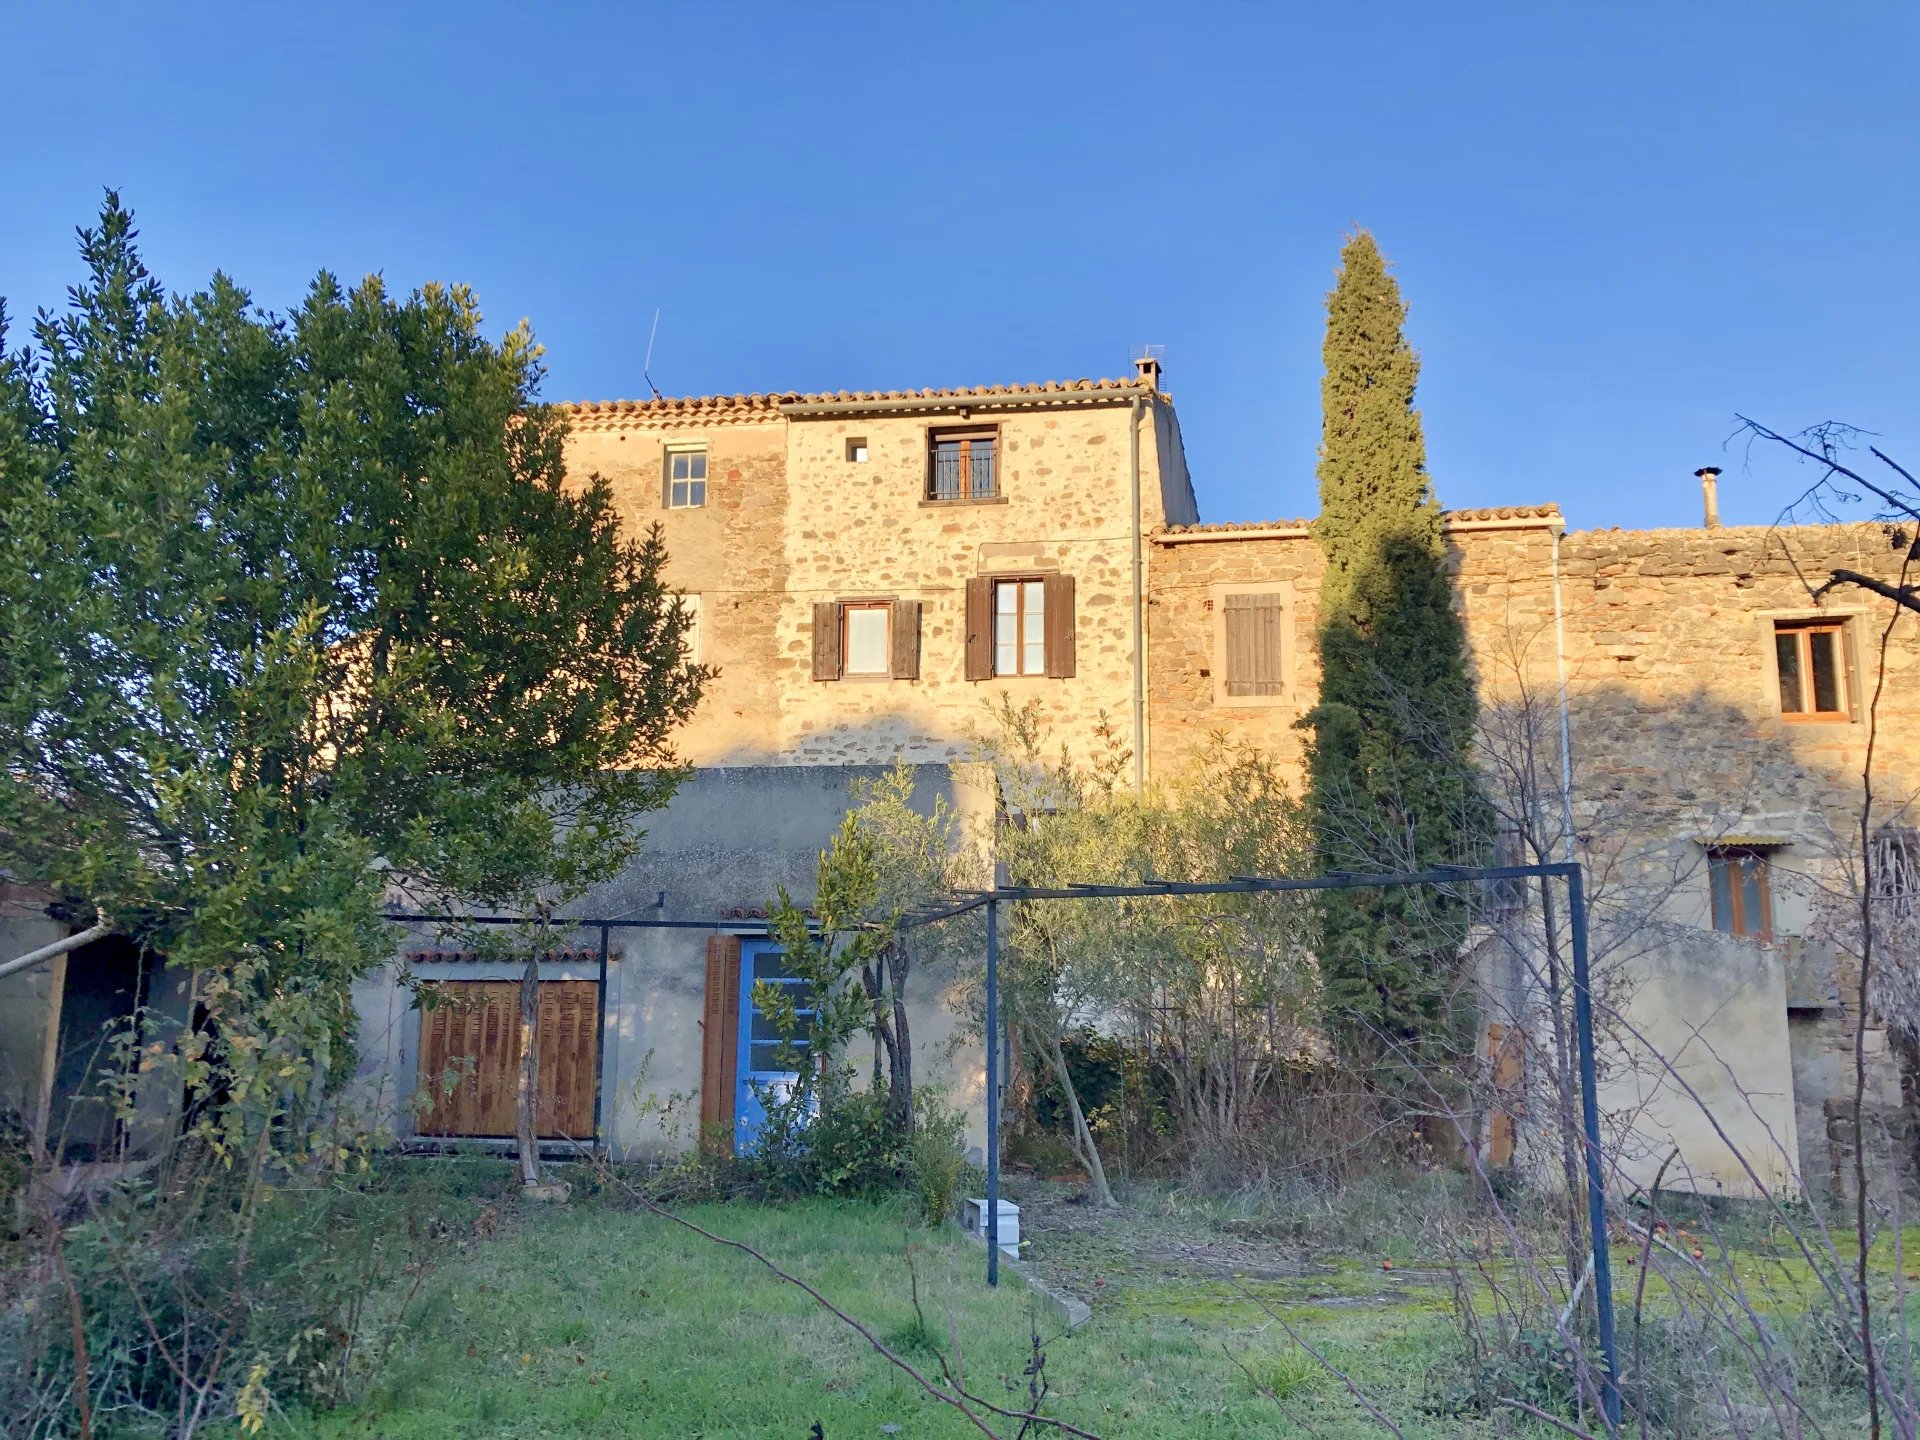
1549	511
773	399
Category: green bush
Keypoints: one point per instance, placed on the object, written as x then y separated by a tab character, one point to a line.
308	1286
852	1149
936	1159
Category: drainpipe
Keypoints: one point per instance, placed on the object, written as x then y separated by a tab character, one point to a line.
1566	734
1139	607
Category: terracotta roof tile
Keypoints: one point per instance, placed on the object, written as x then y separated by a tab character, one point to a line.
599	413
559	956
1542	513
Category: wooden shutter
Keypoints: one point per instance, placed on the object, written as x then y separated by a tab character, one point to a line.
720	1042
826	641
1507	1050
980	628
475	1030
569	1056
1061	657
1253	644
904	631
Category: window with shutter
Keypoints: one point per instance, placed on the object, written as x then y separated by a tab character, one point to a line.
1742	891
866	640
1253	644
720	1042
1250	653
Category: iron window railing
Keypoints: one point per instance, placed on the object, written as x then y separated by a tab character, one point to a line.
962	467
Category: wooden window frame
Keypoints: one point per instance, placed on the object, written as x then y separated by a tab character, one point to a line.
1059	639
1217	603
1020	627
695	635
966	438
1739	856
674	452
830	639
1803	630
848	608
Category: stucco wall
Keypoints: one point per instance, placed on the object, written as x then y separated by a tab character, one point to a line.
28	998
730	837
1705	1069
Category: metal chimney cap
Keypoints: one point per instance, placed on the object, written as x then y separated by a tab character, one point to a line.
1708	472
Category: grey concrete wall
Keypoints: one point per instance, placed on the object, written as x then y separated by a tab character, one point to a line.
29	1011
1693	1051
728	840
1709	1071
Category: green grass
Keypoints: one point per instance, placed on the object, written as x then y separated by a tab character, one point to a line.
601	1321
597	1322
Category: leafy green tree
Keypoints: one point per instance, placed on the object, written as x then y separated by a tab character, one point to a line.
297	612
1390	778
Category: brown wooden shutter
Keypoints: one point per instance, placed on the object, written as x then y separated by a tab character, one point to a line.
1061	656
1253	644
904	630
826	641
980	628
720	1043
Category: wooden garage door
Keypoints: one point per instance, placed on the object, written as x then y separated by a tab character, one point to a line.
474	1031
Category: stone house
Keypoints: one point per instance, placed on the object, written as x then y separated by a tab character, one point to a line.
1716	720
866	571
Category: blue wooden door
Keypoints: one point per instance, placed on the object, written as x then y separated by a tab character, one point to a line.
763	1075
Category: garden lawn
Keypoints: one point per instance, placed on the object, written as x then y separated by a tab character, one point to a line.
606	1322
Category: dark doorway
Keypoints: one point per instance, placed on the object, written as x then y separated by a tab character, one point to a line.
105	988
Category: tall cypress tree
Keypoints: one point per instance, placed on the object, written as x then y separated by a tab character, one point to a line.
1389	755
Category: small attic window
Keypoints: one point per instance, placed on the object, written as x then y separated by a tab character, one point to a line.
857	451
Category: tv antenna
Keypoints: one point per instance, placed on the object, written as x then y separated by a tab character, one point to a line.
646	366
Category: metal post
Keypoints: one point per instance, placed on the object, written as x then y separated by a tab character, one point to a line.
600	1037
993	1092
1590	1121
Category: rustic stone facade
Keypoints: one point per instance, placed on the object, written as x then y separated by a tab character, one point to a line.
792	519
1678	742
1663	642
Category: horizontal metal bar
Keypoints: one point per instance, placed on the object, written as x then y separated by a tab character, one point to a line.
558	922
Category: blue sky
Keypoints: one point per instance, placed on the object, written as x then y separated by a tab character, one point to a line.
1617	225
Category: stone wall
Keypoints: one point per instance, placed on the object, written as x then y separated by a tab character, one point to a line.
1673	710
791	520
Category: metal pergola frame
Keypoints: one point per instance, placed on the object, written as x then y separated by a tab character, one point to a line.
991	900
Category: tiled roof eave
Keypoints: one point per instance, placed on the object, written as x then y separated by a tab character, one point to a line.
704	410
1498	517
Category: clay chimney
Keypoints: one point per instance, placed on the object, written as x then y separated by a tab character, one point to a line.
1148	367
1710	493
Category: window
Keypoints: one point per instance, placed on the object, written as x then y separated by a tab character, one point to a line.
686	477
864	648
960	465
690	607
1250	660
1020	626
857	451
866	640
1253	644
1742	897
1811	659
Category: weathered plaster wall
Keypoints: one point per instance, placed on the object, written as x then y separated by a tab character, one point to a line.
29	1012
730	837
1705	1068
731	552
